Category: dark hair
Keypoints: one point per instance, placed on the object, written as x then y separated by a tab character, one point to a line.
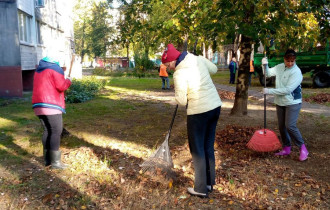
290	53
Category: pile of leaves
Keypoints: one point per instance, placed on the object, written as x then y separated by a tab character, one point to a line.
234	136
319	98
226	94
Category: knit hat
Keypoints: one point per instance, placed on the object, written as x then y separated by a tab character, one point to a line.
51	60
170	54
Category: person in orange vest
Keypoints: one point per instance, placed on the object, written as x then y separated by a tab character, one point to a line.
251	71
164	75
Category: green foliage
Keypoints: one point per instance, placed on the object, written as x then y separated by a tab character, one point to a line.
101	72
84	89
91	28
100	32
142	63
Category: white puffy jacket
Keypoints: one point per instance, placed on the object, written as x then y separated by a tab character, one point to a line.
193	84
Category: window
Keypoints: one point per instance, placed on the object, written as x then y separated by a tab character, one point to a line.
24	22
38	28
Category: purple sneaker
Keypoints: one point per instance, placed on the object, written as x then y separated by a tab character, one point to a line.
284	151
303	153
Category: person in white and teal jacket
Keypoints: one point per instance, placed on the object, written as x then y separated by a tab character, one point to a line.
288	99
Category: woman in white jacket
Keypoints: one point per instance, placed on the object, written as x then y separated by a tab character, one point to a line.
288	98
195	90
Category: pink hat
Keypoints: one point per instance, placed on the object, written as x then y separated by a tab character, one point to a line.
170	54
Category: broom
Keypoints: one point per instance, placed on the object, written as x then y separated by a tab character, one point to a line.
160	161
264	140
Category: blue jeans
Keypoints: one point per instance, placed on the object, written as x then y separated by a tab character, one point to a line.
167	82
201	134
287	117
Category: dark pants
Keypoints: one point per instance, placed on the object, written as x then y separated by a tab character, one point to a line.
287	117
232	78
53	126
250	75
201	134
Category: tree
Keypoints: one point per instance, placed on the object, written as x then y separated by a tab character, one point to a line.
92	28
100	30
82	14
262	20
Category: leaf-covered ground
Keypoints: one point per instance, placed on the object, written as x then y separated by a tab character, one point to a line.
109	138
320	98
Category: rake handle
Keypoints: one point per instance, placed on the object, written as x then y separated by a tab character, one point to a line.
71	64
172	122
265	81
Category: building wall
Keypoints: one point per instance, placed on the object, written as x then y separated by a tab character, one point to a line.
9	42
19	57
10	62
28	57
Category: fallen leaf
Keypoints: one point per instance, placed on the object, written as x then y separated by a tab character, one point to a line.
47	198
170	183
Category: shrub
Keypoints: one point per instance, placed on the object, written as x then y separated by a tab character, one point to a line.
84	89
142	63
101	71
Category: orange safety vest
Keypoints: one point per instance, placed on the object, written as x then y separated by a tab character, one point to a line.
162	71
251	66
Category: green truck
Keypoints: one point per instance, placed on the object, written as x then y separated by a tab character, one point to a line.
316	61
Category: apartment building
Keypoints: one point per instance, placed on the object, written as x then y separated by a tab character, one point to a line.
29	30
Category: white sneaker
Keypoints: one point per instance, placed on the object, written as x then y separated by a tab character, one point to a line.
193	192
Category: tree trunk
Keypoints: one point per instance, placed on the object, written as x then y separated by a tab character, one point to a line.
241	96
127	52
82	52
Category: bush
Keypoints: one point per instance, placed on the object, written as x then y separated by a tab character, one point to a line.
142	63
101	71
84	89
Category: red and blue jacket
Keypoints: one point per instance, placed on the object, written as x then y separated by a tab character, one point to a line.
48	86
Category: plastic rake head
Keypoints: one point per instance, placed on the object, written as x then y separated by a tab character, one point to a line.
160	161
264	140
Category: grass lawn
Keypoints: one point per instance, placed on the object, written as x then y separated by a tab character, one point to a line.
112	134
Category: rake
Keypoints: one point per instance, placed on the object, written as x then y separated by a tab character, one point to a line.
160	162
264	140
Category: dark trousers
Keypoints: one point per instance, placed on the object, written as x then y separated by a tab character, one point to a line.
53	126
232	78
250	75
287	117
201	134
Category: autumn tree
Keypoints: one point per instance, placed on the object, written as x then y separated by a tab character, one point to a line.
91	27
261	20
99	36
82	15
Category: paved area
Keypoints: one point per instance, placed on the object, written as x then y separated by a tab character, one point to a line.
306	107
